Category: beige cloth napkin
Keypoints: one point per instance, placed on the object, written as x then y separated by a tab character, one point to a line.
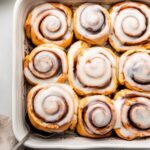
7	139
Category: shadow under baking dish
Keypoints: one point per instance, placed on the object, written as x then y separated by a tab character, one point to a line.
20	87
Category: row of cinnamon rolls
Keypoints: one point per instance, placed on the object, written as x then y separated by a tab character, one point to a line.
92	72
89	70
57	108
127	25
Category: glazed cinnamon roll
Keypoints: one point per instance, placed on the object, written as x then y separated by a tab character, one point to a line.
130	26
96	116
92	70
53	107
133	114
46	63
50	23
134	70
92	23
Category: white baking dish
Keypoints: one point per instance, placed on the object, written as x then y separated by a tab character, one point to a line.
21	9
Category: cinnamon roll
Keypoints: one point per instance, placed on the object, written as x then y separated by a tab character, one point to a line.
50	23
130	26
46	63
133	114
53	107
92	70
134	70
92	23
96	116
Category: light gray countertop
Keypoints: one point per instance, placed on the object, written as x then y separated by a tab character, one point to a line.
6	13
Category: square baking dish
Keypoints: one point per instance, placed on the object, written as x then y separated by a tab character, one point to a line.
22	7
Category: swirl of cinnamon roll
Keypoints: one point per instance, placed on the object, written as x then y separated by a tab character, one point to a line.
134	70
130	26
50	23
92	70
96	116
47	63
133	114
52	107
92	23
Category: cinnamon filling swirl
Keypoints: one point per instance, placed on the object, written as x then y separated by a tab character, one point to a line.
136	113
92	23
92	19
50	23
98	116
46	63
92	70
52	108
133	114
136	69
131	25
138	116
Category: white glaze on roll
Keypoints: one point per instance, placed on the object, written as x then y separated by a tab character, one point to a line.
49	23
91	17
118	104
133	114
135	69
47	63
57	97
130	26
54	105
92	22
98	115
92	69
